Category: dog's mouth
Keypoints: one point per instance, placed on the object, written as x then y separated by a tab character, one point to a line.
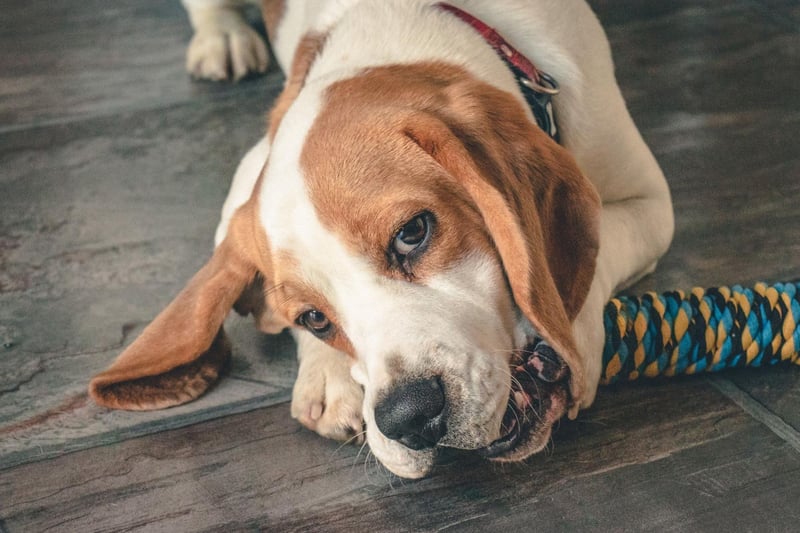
539	397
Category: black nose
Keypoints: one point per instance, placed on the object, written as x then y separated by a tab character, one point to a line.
412	413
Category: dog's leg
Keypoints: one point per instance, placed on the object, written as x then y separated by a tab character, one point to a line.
325	397
224	45
633	234
635	231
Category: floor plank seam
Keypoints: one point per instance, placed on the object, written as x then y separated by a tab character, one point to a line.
755	409
256	381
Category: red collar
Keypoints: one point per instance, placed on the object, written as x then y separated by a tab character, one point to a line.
536	86
534	79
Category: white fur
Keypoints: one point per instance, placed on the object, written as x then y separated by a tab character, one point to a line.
563	38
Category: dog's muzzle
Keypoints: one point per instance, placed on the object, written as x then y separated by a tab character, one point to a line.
414	413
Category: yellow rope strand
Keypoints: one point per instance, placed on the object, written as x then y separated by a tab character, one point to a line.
704	331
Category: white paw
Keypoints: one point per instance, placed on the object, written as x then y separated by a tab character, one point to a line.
224	48
325	398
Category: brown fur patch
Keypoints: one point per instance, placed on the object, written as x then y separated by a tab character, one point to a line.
181	353
367	177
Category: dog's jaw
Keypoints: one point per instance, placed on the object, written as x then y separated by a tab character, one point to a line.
533	407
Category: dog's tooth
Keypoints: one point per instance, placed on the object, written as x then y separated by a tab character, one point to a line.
521	399
534	363
517	397
512	423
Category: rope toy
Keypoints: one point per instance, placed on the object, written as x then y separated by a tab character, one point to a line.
704	331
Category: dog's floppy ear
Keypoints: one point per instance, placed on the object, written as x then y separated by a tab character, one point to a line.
541	212
181	353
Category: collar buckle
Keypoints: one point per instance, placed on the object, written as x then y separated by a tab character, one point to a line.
537	87
547	85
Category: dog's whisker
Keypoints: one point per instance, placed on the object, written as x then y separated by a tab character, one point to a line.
550	447
363	445
360	450
349	441
366	464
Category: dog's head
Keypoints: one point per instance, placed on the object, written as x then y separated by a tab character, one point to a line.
416	219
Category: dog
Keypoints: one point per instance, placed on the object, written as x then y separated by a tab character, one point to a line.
442	258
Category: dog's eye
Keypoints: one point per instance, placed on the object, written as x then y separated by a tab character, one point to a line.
315	321
412	238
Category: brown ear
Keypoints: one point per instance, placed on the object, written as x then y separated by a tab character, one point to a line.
541	212
181	353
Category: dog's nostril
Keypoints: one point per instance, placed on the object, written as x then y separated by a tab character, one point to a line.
413	414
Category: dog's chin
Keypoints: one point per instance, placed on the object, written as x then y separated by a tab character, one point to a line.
534	405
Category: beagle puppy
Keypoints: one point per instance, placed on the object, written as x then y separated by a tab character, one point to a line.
442	259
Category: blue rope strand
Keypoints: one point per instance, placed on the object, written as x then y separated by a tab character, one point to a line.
721	326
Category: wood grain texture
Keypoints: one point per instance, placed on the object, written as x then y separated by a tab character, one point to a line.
113	166
102	221
693	460
79	59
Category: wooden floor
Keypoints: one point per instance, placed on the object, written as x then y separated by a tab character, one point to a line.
113	167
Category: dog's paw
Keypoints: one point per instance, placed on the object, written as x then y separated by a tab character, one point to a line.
325	398
226	47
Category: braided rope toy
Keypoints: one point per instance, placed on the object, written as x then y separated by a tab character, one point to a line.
703	331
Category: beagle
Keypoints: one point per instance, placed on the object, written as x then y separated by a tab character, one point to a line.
442	260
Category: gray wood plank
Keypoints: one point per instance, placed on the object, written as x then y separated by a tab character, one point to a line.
712	86
703	57
735	190
84	58
645	457
777	389
784	12
102	221
106	208
730	148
